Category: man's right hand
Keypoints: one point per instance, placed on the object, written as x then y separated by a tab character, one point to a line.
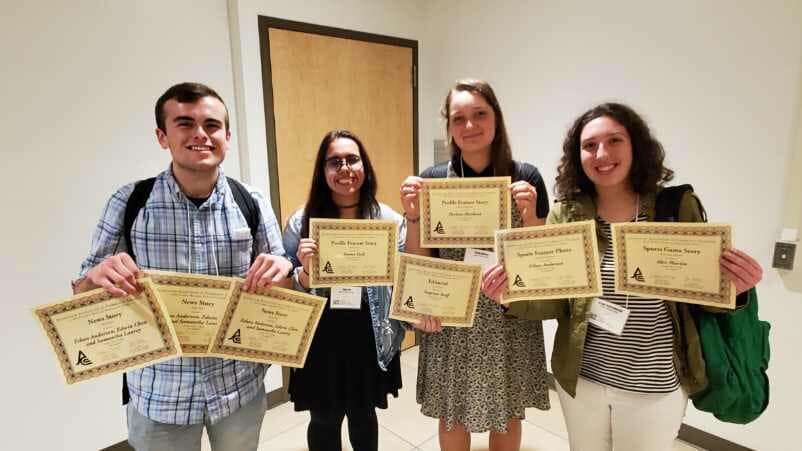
116	274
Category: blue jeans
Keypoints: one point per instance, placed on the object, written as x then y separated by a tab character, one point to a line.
237	432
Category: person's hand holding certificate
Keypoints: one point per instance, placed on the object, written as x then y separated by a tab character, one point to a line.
352	252
428	286
549	262
676	261
463	212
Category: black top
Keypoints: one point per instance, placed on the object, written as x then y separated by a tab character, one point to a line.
523	171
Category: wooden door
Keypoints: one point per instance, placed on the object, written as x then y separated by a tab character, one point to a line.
316	79
338	79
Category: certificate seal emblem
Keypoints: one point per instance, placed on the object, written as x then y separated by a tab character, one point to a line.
83	359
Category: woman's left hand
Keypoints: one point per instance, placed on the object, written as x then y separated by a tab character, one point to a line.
742	269
525	197
494	280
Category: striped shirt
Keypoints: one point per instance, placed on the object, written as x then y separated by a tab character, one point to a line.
641	359
173	234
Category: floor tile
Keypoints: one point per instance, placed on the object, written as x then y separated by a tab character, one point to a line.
403	416
533	438
404	428
550	420
293	439
281	419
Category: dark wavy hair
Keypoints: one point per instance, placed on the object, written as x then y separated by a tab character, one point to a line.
319	204
500	150
647	172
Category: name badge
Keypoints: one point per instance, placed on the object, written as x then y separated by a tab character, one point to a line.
346	298
608	316
480	257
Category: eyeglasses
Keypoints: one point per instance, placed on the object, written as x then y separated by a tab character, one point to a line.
351	161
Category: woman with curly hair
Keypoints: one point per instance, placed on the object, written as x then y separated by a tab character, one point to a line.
627	390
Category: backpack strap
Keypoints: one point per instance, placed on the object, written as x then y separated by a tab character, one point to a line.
668	202
136	201
249	208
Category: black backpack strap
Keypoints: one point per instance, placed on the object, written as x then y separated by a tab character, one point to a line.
140	195
668	202
135	203
249	208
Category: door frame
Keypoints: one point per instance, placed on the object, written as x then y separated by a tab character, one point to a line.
281	395
265	24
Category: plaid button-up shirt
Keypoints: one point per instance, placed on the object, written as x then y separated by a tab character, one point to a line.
172	234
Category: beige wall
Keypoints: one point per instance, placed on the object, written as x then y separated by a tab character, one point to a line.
79	81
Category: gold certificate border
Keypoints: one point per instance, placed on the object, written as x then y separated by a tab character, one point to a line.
588	231
317	279
725	297
190	280
171	347
219	348
405	260
429	240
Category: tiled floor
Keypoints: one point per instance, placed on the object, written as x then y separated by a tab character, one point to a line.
402	427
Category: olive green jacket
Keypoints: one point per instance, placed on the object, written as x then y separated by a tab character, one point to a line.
572	314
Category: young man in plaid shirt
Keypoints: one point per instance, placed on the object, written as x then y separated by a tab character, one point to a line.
190	223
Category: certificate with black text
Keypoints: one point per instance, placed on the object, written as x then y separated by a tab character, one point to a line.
196	304
272	326
446	289
463	212
550	261
94	333
353	252
674	261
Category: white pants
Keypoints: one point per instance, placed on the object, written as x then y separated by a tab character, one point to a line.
606	418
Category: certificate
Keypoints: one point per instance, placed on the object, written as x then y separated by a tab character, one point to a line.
94	333
675	261
463	212
550	262
275	326
353	252
196	304
432	286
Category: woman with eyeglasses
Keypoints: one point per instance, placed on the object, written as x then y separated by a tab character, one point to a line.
353	362
480	378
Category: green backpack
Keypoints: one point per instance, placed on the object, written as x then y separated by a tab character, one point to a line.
735	346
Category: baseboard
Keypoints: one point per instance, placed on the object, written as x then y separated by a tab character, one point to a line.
122	446
689	434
